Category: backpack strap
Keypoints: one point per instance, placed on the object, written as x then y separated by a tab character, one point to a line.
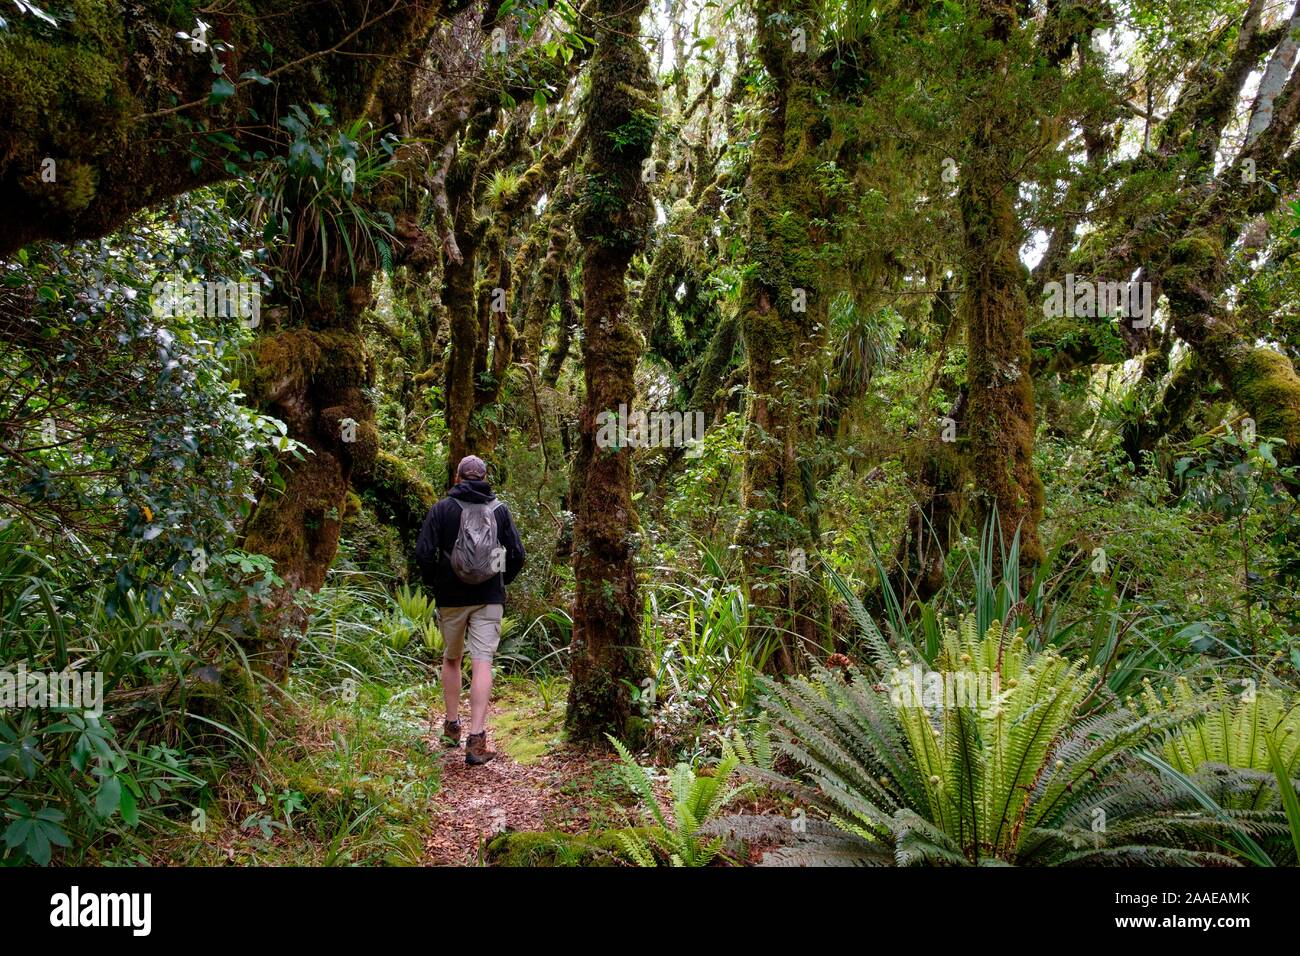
446	552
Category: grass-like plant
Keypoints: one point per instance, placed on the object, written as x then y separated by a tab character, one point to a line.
315	196
703	646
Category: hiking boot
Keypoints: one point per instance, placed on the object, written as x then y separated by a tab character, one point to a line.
451	733
476	751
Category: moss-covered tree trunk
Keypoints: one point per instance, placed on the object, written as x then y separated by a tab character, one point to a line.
938	472
1188	248
311	376
564	332
543	290
783	321
610	220
458	393
718	360
996	309
1261	380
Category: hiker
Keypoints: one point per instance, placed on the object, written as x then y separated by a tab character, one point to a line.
468	552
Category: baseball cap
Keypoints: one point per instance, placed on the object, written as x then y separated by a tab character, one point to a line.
471	466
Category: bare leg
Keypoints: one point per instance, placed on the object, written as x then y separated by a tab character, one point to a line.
451	688
480	691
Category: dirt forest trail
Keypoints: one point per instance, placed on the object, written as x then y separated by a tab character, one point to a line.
535	783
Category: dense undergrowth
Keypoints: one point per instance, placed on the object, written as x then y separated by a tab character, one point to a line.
195	760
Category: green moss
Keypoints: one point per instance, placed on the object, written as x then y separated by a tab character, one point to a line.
285	361
376	547
403	491
557	848
347	362
334	360
523	726
1194	258
1267	386
352	504
62	87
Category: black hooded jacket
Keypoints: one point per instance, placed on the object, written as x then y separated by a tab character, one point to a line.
438	536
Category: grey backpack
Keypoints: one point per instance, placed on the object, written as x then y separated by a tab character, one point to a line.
477	554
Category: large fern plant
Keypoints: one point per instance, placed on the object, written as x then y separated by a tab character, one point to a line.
1234	732
696	799
1244	751
1038	772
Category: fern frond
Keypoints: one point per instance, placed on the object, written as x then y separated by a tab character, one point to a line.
918	842
636	849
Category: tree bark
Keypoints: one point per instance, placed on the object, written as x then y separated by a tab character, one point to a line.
1260	380
564	335
999	369
611	219
783	319
312	377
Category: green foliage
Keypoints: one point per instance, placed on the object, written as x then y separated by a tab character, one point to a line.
1252	729
707	657
175	691
358	631
313	204
638	132
1287	790
1173	564
131	446
1040	773
701	502
696	798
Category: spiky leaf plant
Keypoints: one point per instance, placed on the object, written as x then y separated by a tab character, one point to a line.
1234	732
697	799
1031	765
1244	751
414	603
315	199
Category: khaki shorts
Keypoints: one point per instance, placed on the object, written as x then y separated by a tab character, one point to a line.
482	624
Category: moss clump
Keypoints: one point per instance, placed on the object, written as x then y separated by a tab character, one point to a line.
1267	386
1194	259
375	547
403	492
557	848
72	190
351	504
64	85
1200	249
285	361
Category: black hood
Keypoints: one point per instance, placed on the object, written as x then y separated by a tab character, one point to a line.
472	490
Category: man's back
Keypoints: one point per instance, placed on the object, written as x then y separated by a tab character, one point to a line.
469	615
438	536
